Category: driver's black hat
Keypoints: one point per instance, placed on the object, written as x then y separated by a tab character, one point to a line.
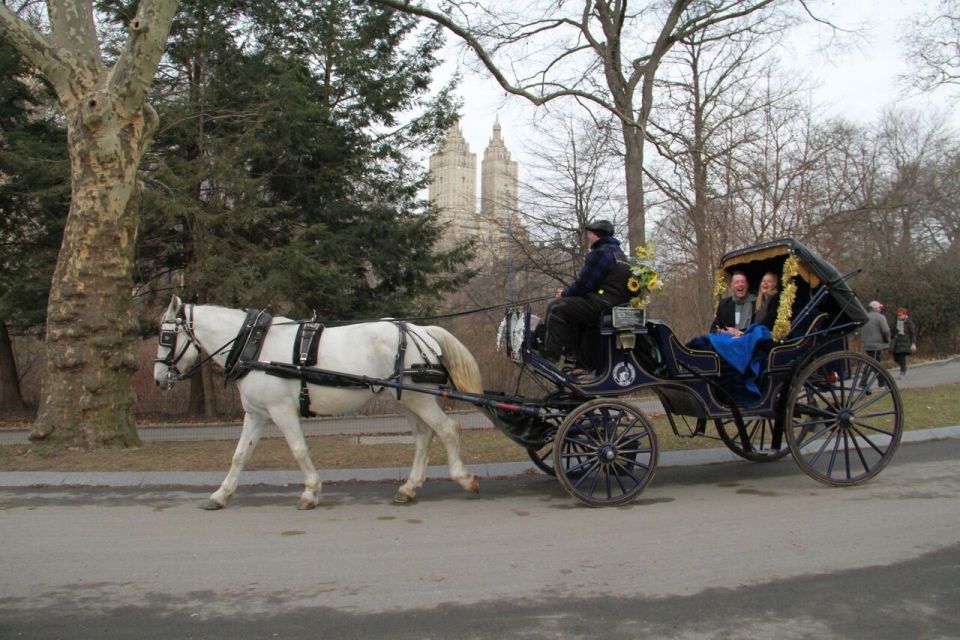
600	227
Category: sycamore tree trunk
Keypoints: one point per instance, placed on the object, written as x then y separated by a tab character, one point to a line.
87	393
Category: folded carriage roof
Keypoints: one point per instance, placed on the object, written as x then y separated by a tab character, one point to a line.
813	269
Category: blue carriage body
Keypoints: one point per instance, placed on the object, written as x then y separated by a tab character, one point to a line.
810	386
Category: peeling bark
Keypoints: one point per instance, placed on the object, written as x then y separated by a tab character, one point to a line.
87	394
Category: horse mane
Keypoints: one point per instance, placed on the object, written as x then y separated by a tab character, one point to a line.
460	363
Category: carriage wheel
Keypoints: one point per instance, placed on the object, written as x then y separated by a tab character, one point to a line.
605	452
841	427
760	435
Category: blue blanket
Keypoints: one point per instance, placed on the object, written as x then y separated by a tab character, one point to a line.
742	360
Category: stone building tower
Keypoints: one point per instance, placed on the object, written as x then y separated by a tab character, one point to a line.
453	190
453	186
498	190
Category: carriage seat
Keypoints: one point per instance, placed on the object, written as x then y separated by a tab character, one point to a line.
679	358
785	353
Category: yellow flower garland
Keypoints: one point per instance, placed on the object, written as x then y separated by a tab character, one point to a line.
644	278
791	268
719	286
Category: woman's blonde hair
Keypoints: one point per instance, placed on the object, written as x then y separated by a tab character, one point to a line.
762	297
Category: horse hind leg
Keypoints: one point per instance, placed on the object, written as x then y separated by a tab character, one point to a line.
288	421
422	437
249	437
428	411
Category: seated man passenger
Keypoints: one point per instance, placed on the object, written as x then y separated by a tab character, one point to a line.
735	312
601	284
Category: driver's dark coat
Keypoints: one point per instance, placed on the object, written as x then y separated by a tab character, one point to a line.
605	273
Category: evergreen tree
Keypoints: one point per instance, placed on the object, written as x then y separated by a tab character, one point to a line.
284	177
34	199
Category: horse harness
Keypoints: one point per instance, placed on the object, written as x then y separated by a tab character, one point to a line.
246	346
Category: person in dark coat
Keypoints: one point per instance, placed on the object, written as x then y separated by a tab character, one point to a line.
735	312
601	284
904	340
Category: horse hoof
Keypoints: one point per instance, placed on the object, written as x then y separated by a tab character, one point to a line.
210	505
402	498
305	505
475	485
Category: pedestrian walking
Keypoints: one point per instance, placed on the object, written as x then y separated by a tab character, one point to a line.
875	334
904	340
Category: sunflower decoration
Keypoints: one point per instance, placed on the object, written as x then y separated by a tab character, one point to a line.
645	277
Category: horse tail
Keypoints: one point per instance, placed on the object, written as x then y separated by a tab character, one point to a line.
460	363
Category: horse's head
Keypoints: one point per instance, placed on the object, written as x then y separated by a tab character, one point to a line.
178	349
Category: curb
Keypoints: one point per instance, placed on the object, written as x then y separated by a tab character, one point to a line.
390	474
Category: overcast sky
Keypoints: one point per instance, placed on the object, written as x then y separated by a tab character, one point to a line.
855	82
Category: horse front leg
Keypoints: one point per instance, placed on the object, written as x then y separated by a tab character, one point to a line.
288	421
249	437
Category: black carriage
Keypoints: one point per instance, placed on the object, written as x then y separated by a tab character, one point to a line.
837	412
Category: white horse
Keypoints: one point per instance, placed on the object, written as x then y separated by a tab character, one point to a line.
368	349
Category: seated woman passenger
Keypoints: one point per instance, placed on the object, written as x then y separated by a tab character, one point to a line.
768	300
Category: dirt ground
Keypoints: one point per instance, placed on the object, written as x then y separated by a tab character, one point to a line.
924	408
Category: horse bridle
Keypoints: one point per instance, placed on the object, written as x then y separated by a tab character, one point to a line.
169	330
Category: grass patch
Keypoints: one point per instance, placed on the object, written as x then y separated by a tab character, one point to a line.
923	408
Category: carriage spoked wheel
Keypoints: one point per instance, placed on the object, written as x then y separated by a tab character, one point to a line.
605	452
844	418
760	436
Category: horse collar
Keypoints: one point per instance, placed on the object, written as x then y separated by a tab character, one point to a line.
247	344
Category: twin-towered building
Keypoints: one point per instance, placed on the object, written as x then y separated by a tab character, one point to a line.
453	190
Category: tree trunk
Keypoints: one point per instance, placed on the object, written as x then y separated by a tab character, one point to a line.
87	395
209	395
10	397
203	399
196	401
633	179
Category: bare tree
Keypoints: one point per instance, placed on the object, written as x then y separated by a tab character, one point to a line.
719	133
87	392
933	47
571	179
602	53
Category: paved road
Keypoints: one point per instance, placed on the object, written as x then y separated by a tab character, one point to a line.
720	551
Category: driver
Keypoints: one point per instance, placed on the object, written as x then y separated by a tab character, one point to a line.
601	284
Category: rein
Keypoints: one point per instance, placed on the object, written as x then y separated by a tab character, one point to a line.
442	316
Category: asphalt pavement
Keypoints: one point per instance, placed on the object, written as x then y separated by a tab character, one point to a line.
927	374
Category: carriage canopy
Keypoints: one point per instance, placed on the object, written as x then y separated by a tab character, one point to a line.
812	270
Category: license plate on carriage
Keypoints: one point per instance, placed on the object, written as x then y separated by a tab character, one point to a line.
627	316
